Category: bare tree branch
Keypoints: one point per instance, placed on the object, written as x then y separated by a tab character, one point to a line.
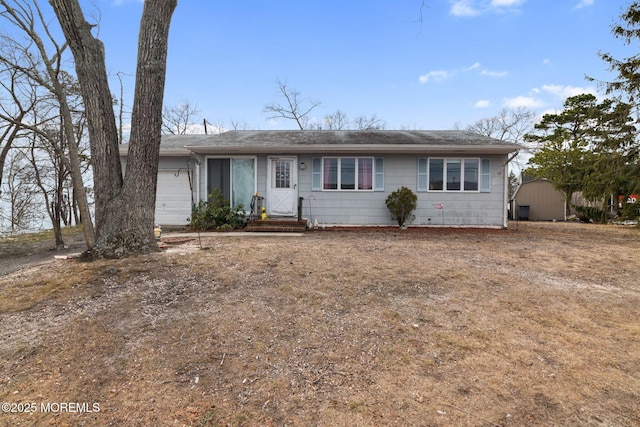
369	123
336	121
509	125
177	119
237	124
295	108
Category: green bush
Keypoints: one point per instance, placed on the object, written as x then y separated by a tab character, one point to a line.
591	214
216	214
630	211
401	204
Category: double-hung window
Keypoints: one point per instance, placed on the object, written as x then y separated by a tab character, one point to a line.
347	173
454	174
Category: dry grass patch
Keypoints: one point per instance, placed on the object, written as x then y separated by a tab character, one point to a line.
429	327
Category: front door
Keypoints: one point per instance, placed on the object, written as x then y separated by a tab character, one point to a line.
282	188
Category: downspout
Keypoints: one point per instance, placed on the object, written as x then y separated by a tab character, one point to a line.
191	177
196	178
505	213
513	156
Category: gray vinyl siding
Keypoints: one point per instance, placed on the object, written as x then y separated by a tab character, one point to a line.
174	163
262	175
484	209
344	207
399	151
466	209
470	209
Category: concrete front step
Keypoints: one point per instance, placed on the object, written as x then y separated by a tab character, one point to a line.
275	225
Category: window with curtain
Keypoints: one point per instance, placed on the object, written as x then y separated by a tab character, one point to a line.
243	182
365	174
348	173
330	174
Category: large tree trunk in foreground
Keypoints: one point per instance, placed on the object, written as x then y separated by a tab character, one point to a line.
124	208
91	71
130	218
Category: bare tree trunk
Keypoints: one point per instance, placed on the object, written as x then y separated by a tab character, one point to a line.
8	136
124	209
57	228
52	205
57	204
73	164
25	17
74	206
89	57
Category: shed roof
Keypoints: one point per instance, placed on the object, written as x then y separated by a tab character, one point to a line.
335	142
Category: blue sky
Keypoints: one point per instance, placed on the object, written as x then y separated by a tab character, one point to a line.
414	66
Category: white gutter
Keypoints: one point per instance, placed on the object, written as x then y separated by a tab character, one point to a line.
352	149
172	152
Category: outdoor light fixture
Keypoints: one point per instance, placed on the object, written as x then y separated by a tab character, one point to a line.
302	166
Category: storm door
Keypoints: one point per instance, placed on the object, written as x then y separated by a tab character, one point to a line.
282	189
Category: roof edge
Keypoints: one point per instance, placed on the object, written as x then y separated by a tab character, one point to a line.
354	148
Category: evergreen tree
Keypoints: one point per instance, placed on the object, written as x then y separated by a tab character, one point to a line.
588	147
627	86
627	82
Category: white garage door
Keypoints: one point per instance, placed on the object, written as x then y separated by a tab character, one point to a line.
173	198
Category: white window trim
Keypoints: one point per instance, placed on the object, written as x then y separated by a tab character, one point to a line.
444	174
373	173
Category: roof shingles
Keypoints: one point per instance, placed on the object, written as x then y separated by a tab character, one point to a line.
297	141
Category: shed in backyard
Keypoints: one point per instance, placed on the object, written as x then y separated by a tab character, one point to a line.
538	200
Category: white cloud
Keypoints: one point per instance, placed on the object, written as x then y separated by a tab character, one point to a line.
564	92
546	61
546	96
439	75
463	8
474	66
507	3
436	75
478	7
584	3
486	72
549	111
494	73
483	103
522	101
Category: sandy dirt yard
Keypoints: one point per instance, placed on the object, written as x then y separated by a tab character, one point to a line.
537	325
